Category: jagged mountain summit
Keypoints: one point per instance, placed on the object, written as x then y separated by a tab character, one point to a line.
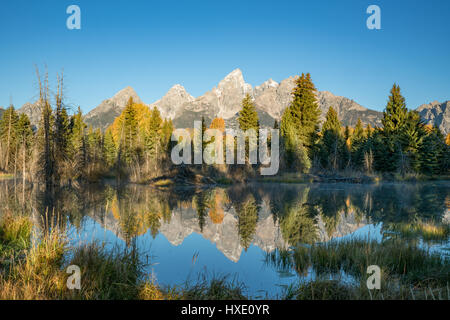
175	98
436	113
103	115
271	99
223	101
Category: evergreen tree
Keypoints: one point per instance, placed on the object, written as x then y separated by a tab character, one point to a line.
369	130
394	117
109	148
303	113
300	124
153	139
166	134
434	153
25	138
411	137
45	138
8	137
249	119
61	139
357	142
129	133
332	142
79	152
358	133
430	153
395	114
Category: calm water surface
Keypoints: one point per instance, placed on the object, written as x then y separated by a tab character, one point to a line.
185	232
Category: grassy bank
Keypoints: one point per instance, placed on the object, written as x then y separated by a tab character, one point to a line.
37	270
407	271
33	266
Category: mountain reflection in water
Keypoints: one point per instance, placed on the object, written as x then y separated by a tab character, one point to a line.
234	219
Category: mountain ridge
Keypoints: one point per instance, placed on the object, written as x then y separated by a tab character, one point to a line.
224	100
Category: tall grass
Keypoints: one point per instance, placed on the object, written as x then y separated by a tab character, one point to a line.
427	230
14	235
37	270
407	271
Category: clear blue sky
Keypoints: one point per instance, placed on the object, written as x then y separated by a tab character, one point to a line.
151	45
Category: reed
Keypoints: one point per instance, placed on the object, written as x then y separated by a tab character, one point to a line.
36	270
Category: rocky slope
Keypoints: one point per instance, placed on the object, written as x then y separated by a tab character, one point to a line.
103	115
33	111
172	101
436	113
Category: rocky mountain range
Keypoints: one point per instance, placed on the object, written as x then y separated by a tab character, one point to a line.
436	113
224	100
270	98
104	115
1	111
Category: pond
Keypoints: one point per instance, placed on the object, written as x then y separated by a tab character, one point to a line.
186	232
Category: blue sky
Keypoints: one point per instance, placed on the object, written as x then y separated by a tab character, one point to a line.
152	45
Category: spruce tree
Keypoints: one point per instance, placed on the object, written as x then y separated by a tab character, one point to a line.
166	134
25	138
394	117
368	130
430	153
248	117
357	142
45	138
61	140
153	139
78	145
109	148
303	113
129	132
300	124
434	153
411	138
8	136
332	142
395	114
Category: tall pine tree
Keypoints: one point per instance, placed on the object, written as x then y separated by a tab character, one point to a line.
332	142
300	124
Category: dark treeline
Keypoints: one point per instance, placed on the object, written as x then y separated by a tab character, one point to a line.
404	144
137	145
